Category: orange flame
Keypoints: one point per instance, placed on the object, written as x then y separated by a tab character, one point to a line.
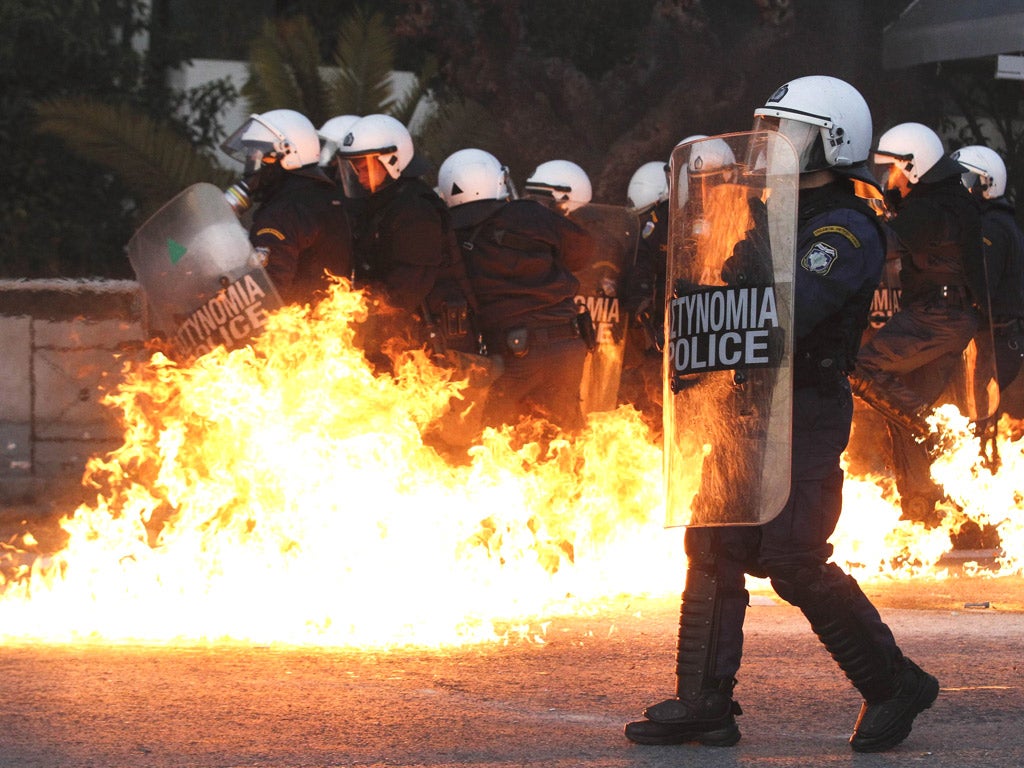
283	493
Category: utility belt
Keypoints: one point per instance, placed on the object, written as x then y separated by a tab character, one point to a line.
823	373
519	340
455	318
452	327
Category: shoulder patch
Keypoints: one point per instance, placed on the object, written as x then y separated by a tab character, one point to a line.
839	231
820	258
272	232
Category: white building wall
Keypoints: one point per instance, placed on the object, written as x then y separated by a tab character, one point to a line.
201	71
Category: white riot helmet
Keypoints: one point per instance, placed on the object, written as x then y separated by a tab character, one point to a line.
825	118
377	148
986	171
472	174
332	133
705	156
281	136
648	186
911	148
563	181
709	155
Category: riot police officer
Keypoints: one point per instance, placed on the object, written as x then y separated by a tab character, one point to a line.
907	364
839	256
1003	244
299	224
644	291
405	249
559	184
647	195
519	256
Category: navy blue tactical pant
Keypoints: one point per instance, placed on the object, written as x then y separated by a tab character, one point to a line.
792	550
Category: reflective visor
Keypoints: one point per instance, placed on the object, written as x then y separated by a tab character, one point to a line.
971	180
253	141
368	171
805	138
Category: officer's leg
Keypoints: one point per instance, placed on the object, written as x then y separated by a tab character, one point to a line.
912	466
881	364
556	388
710	645
794	552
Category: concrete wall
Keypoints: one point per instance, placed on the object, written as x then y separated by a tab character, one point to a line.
62	346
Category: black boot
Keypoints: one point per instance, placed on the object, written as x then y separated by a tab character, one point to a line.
894	688
885	723
708	719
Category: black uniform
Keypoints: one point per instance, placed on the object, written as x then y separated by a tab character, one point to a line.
519	257
907	364
406	255
1004	261
645	302
304	230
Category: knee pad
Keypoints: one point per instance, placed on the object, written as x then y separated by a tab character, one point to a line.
807	586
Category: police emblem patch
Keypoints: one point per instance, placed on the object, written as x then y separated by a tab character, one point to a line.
819	259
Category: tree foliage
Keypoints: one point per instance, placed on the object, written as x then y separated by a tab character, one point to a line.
150	157
285	71
73	208
610	84
613	85
991	113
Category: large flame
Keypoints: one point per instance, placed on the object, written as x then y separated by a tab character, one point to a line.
284	493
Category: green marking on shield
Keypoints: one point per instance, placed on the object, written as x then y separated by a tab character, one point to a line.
176	250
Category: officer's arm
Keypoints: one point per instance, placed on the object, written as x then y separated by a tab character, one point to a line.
414	245
278	242
831	267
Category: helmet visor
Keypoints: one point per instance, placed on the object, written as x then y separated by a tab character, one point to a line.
362	175
252	145
805	138
973	180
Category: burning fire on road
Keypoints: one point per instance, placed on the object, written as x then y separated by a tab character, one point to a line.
283	493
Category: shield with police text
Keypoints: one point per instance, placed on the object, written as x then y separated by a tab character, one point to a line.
205	285
616	231
728	329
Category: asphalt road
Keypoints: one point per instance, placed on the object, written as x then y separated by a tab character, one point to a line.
557	703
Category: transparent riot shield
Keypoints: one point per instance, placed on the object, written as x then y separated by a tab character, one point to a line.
616	231
728	329
205	285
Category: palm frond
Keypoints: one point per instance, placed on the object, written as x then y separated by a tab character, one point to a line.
284	70
457	124
365	56
151	158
